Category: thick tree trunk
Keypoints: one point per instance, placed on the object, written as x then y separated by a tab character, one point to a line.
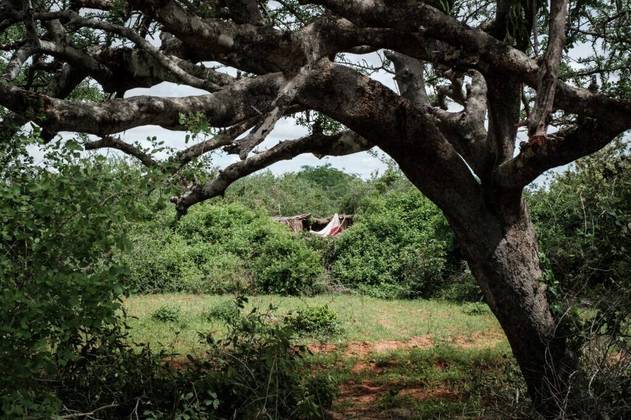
507	268
497	237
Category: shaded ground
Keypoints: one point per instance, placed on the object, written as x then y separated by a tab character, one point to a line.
417	379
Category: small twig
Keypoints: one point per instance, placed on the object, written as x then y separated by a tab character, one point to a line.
75	415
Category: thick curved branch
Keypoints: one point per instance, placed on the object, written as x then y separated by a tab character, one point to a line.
117	143
561	148
319	144
473	45
409	135
17	61
92	4
243	11
409	77
11	12
256	49
179	159
284	100
224	138
242	100
77	58
74	20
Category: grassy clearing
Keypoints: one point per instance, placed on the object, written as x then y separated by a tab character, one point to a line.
394	359
363	319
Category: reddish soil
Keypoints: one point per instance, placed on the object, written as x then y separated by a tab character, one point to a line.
479	340
363	348
362	400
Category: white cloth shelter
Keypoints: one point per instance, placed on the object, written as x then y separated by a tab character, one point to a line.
333	228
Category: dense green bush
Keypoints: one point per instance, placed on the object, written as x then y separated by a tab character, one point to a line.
255	371
218	248
400	246
61	221
63	348
167	313
225	311
583	220
395	248
460	285
318	321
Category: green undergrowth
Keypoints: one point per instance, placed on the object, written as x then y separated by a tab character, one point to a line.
374	357
441	382
358	318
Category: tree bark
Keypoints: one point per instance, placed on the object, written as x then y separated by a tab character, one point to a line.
507	267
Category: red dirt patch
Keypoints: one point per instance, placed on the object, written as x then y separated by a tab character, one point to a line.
423	394
361	400
363	367
441	364
363	348
321	347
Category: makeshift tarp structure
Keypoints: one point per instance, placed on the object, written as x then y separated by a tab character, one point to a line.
333	228
295	223
328	226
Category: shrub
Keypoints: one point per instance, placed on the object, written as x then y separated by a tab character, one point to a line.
318	392
59	287
222	248
257	371
161	263
583	222
476	308
320	191
394	249
226	312
461	287
167	313
286	266
315	321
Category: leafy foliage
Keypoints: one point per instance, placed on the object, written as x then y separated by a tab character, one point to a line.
59	285
394	249
222	248
316	321
167	313
255	370
320	191
225	312
583	222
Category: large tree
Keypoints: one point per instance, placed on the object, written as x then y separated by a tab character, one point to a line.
470	76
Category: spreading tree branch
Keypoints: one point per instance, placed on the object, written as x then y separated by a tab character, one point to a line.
319	144
549	70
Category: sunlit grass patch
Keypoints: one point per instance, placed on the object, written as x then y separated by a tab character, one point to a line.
361	319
